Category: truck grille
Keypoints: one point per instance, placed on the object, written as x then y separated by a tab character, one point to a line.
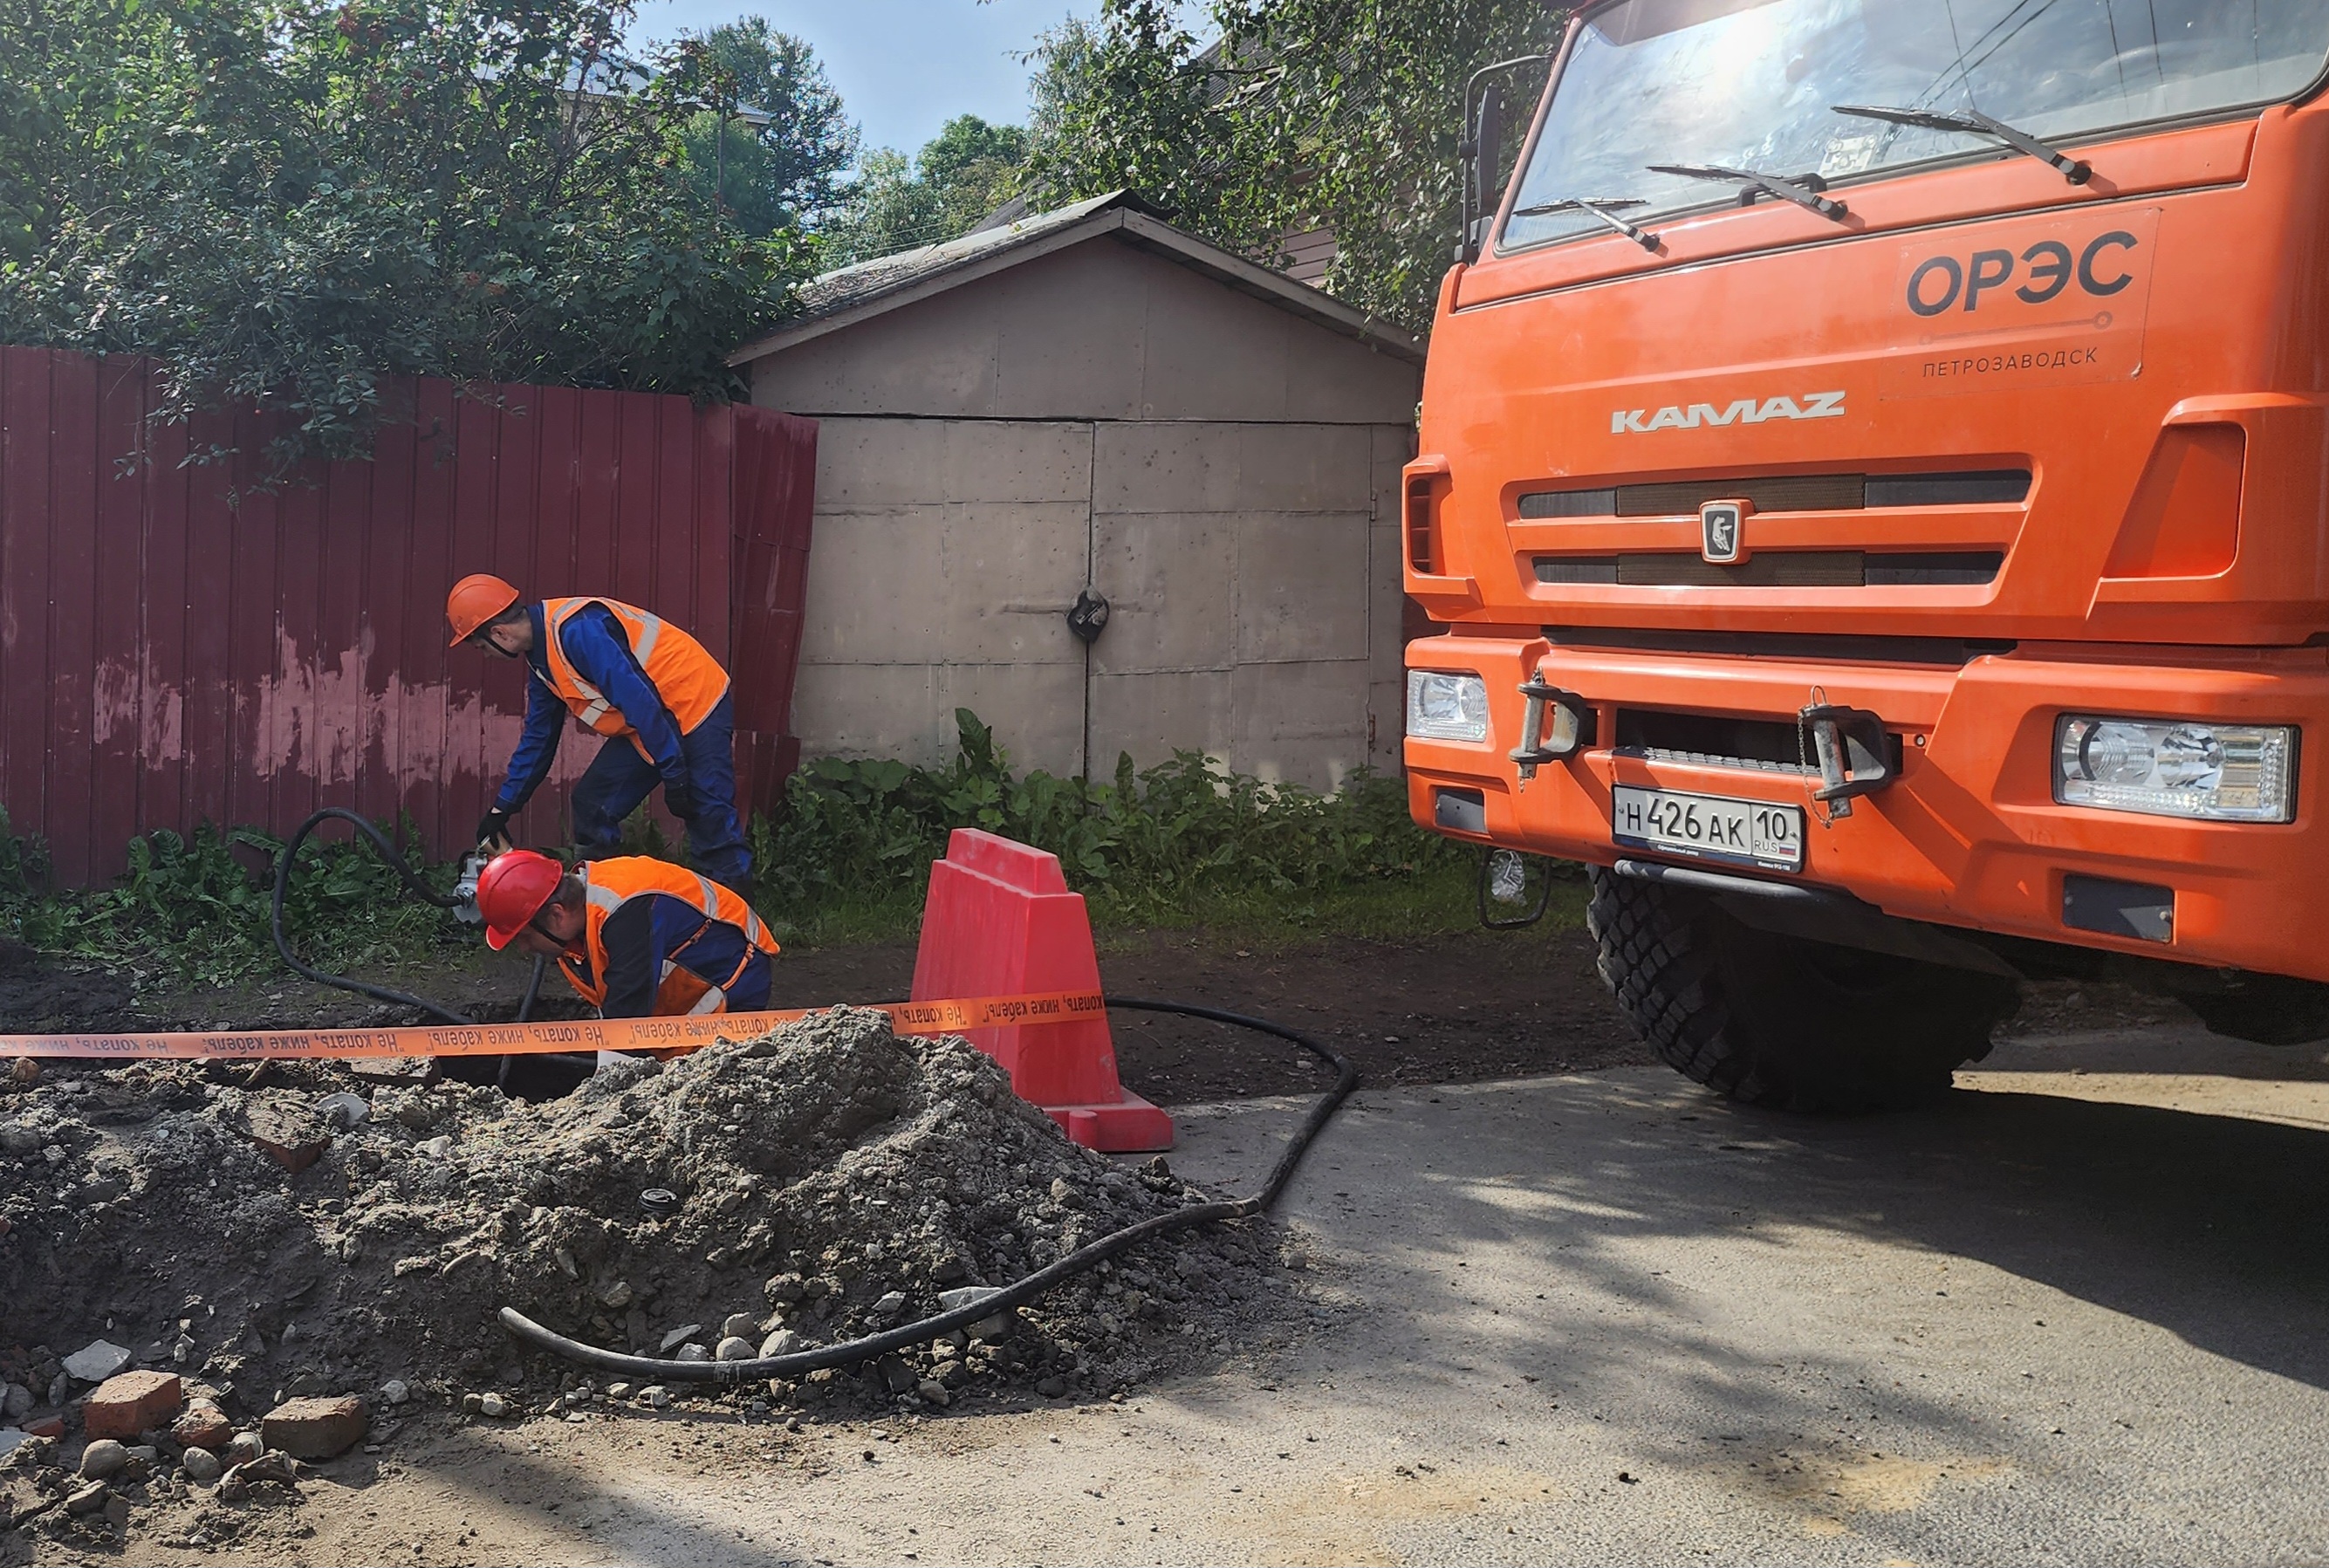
1778	569
1713	741
1784	493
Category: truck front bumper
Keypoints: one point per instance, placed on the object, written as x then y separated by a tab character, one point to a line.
1969	834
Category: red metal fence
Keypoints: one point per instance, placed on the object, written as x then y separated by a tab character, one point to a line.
174	650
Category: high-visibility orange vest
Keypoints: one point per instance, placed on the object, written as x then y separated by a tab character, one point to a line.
689	680
609	884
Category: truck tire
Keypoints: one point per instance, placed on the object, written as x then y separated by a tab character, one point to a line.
1779	1021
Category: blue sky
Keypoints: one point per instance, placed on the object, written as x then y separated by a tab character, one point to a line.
904	66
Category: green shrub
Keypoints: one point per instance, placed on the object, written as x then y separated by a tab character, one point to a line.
846	856
1156	844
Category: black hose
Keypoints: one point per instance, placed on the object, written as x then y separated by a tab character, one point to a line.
412	882
1083	1259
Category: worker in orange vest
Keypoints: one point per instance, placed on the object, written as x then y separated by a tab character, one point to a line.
660	700
636	937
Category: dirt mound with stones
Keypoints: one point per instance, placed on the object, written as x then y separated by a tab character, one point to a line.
804	1188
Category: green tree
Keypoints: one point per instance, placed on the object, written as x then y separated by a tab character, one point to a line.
963	173
289	202
1285	115
775	148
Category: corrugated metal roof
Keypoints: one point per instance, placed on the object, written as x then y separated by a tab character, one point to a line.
866	289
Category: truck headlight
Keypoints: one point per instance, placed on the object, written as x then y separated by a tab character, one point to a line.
1446	707
2218	772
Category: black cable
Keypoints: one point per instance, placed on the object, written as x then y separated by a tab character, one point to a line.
1083	1259
533	987
412	882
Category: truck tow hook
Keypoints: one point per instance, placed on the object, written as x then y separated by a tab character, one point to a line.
1855	755
1571	718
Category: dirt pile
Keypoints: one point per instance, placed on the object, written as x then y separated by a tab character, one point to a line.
824	1181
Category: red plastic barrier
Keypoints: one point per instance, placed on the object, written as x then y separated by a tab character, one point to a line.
1001	921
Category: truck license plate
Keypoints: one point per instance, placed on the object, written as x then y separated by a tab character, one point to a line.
1710	828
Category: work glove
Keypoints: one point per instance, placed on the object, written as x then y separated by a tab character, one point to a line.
493	827
679	795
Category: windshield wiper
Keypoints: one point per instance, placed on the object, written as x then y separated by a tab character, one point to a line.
1603	208
1973	122
1803	189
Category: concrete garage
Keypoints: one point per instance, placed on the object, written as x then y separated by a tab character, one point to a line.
1091	398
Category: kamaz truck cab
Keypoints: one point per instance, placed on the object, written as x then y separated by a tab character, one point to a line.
1872	478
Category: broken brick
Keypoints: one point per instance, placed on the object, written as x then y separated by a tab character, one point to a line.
286	1128
203	1426
315	1428
47	1426
131	1402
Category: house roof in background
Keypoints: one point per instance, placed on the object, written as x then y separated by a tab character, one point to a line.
869	289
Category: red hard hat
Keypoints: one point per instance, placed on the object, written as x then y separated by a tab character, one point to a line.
511	889
473	602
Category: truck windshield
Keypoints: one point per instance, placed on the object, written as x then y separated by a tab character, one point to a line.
1754	84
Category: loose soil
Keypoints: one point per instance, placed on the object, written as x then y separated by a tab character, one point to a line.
809	1187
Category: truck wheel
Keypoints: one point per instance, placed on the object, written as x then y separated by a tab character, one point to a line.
1780	1021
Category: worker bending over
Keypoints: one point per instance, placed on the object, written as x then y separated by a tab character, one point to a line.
660	700
637	937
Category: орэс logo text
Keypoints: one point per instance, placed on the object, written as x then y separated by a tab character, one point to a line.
1827	405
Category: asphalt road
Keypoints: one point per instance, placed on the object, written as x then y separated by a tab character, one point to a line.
2077	1313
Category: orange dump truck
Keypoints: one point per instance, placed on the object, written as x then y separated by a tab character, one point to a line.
1872	478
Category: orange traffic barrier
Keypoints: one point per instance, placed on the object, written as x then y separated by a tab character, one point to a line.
999	916
946	1016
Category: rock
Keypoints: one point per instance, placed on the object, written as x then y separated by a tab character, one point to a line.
734	1348
203	1426
740	1326
12	1439
473	1404
58	1387
395	1391
783	1342
1052	1387
680	1336
948	1270
617	1296
619	1390
692	1352
103	1459
316	1428
19	1139
436	1148
201	1466
782	1289
15	1400
280	1467
343	1111
656	1396
933	1391
492	1404
244	1447
895	1376
95	1362
130	1402
284	1126
890	1304
88	1499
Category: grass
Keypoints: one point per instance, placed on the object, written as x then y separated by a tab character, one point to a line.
1186	845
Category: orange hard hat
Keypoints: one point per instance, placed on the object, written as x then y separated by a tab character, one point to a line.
511	889
473	602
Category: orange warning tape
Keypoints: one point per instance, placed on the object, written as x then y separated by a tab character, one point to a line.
663	1034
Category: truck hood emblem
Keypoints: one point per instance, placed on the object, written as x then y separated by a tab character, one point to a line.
1823	405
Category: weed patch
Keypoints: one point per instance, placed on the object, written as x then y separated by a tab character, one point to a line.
845	858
